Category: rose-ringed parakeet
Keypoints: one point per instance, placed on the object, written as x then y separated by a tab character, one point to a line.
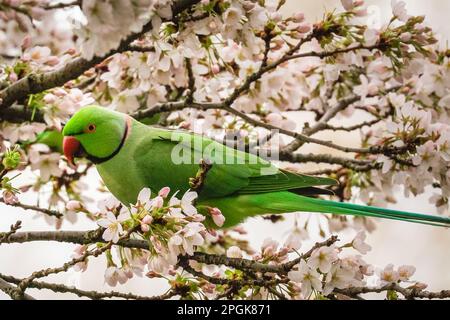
130	156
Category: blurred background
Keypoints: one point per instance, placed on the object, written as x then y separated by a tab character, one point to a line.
426	248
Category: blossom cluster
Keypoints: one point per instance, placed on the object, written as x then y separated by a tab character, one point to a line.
108	22
172	226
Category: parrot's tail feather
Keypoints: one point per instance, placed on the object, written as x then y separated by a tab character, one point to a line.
323	206
237	208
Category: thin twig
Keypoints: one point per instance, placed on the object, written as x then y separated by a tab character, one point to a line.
49	212
46	272
408	293
13	229
61	5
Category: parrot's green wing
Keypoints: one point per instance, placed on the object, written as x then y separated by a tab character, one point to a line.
284	180
171	158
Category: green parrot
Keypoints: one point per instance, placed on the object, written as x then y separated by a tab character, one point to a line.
130	156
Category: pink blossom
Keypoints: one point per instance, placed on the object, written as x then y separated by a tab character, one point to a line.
217	216
79	252
113	226
323	259
164	192
269	247
9	197
359	243
406	272
234	252
158	202
307	277
399	10
73	205
388	275
114	275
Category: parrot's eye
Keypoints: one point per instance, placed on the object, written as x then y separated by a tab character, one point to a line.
90	128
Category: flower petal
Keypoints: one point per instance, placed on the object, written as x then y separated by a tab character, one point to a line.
144	195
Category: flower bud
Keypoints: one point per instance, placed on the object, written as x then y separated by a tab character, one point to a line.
11	160
215	69
73	205
164	192
299	17
158	202
304	28
145	227
217	216
147	219
9	197
52	61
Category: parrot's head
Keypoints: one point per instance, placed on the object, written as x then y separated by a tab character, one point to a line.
95	133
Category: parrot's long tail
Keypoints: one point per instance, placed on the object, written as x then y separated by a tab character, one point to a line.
239	207
324	206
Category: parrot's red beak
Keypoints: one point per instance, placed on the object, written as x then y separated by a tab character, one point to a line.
71	146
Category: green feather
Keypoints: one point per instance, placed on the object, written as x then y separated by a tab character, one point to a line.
51	138
236	207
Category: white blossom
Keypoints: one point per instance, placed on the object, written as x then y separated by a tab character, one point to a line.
359	243
114	275
323	259
113	226
307	277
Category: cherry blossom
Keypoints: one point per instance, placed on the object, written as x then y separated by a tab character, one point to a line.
338	277
186	239
74	205
113	226
359	243
323	259
114	275
399	10
295	237
307	277
406	272
217	217
185	204
48	165
234	252
79	252
388	275
9	197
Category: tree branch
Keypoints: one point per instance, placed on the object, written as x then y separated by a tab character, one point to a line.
13	291
408	293
89	237
95	295
23	285
13	230
354	127
353	164
80	237
62	5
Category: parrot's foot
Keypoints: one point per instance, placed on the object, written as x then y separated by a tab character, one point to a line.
196	183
